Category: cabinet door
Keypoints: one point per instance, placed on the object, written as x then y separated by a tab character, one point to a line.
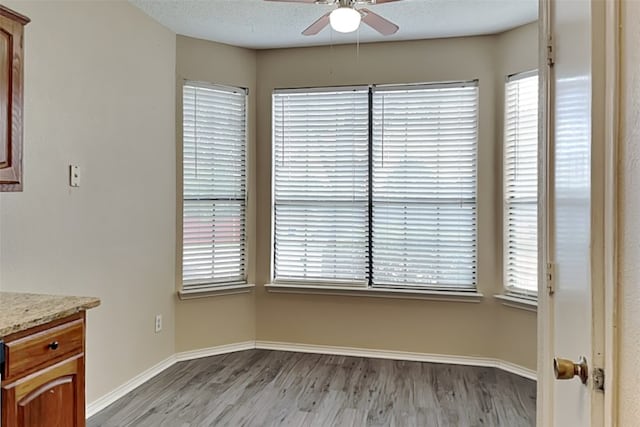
6	70
53	397
11	74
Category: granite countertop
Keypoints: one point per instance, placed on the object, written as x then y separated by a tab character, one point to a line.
21	311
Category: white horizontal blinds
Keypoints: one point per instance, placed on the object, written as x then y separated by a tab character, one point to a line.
214	191
425	142
320	184
521	183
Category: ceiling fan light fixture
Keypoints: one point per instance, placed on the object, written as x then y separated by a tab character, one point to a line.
345	19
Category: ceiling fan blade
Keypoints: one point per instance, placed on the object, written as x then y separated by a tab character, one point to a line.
378	23
317	26
294	1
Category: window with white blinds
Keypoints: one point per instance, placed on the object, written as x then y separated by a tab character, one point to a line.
376	186
320	185
214	187
521	184
425	143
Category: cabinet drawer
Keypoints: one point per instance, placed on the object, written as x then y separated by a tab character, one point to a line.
44	348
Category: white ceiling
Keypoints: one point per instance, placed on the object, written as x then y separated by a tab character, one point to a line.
262	25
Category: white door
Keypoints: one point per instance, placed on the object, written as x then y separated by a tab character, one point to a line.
573	211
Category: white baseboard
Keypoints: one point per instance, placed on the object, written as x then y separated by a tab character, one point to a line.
399	355
109	398
215	351
517	369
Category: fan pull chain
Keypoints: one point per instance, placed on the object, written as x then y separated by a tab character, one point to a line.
331	51
283	128
195	126
382	133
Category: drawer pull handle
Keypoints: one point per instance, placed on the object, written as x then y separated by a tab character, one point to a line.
54	345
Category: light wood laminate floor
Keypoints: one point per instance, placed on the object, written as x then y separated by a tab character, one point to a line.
275	388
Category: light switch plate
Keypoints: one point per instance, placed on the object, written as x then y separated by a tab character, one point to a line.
74	176
158	323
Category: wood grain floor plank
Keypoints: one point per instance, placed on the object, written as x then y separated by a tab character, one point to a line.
274	388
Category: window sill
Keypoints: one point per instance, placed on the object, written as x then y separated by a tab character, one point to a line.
450	296
215	292
517	301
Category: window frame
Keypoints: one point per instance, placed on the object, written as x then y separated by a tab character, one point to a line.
512	292
328	283
285	285
420	86
206	288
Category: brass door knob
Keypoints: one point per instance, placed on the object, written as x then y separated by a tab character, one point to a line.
566	369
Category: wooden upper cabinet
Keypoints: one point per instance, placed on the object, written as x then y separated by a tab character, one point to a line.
11	86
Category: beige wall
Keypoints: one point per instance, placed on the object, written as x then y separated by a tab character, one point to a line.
629	221
209	322
485	329
99	92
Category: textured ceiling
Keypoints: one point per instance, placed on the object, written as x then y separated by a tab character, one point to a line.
260	24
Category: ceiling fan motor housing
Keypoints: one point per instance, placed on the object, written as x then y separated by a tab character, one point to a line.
346	3
346	18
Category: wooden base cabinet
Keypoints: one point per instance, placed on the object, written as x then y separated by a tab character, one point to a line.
52	397
44	368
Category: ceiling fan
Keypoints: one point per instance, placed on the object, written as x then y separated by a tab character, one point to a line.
346	18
